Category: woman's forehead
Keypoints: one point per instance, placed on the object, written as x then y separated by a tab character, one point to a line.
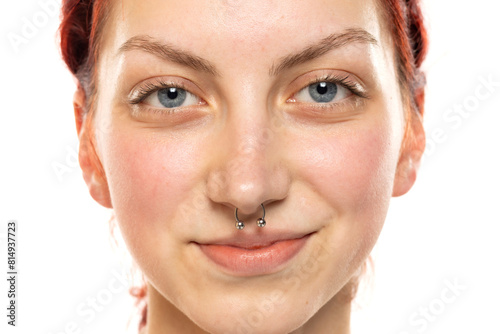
237	26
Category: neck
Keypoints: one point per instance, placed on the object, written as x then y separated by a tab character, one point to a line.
164	317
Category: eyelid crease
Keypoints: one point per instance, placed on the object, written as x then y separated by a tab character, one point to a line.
344	81
145	90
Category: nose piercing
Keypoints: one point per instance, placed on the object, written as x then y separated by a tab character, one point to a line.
260	222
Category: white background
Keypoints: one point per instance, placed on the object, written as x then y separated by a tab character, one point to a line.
445	230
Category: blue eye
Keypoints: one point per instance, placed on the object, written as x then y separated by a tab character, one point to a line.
322	92
172	97
167	97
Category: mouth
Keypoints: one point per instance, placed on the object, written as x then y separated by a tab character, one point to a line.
252	257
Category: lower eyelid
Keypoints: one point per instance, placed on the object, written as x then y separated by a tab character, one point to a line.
350	104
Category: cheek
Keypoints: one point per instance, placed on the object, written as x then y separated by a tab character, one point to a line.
353	172
146	177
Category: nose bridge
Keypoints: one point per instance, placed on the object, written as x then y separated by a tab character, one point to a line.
246	171
248	160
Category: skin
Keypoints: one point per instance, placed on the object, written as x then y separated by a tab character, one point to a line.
249	138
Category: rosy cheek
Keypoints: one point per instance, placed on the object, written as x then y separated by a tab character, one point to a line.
148	175
352	170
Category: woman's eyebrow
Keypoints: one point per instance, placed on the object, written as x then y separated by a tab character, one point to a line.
165	51
325	45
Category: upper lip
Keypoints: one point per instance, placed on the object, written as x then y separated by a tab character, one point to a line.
254	240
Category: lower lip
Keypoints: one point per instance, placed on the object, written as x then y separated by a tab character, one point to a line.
254	262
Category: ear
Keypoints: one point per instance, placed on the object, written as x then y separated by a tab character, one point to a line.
411	154
93	173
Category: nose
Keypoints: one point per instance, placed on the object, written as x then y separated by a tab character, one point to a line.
248	166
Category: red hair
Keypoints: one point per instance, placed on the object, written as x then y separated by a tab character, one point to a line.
80	31
409	35
82	23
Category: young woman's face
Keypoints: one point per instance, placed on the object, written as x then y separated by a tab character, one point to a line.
207	106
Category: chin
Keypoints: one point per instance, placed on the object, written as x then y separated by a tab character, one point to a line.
256	322
275	312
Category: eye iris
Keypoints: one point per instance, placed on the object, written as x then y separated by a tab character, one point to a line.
323	92
172	97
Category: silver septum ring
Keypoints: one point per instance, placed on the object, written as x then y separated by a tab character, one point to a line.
260	222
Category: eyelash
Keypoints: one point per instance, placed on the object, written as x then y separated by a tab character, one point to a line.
151	87
343	81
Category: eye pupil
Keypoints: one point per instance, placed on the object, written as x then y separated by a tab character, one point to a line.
323	92
172	93
172	97
322	88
